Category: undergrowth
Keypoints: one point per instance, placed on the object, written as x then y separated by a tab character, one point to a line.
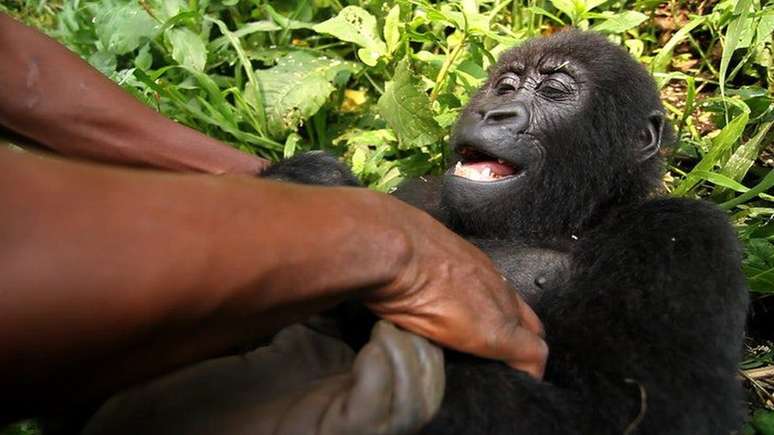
381	82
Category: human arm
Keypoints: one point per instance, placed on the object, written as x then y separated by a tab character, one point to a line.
113	276
53	97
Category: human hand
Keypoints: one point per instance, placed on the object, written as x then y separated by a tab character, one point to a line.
450	292
304	382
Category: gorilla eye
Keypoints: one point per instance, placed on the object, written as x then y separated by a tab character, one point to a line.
507	84
554	89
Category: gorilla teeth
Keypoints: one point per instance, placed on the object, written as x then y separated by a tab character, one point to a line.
471	173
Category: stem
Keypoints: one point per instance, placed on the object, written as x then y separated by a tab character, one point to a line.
373	83
446	66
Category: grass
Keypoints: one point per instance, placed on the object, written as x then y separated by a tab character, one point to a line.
381	82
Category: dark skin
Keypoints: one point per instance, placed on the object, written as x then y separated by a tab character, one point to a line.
87	116
113	276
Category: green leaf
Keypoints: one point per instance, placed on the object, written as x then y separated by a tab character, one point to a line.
743	158
765	26
355	24
620	23
355	136
763	421
391	29
144	59
27	427
764	186
103	61
733	35
540	11
568	7
407	110
758	265
389	181
254	95
291	143
720	180
591	4
254	27
358	161
296	87
122	28
287	23
720	144
166	9
661	60
187	48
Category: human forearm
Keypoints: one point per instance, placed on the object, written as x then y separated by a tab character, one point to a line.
111	277
53	97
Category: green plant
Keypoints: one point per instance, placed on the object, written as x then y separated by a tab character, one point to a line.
381	83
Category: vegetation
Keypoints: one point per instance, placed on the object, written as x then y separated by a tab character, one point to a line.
381	82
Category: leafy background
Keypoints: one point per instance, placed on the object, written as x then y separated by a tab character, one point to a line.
381	82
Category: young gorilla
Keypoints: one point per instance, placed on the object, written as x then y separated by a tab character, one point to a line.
642	297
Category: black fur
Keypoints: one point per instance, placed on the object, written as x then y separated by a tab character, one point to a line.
644	301
314	167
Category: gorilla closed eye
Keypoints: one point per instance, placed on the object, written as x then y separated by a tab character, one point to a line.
508	83
554	89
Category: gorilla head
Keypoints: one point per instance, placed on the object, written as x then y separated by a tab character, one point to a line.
565	127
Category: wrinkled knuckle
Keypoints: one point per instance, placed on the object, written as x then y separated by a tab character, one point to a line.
542	351
501	337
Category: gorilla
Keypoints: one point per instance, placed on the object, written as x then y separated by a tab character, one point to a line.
556	175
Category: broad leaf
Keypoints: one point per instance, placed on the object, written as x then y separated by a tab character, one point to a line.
622	22
296	87
568	7
355	24
406	109
391	29
166	9
469	18
187	48
591	4
122	28
104	61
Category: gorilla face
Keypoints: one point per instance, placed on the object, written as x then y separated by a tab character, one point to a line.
550	137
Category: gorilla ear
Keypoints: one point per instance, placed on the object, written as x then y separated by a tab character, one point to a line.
650	137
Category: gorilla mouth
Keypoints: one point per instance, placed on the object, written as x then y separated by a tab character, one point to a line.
479	166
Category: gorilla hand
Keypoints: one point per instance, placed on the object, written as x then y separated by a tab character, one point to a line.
304	382
314	167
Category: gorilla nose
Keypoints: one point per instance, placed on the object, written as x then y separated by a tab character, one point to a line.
515	116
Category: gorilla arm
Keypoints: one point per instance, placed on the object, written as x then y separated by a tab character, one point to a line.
52	97
113	276
657	309
651	319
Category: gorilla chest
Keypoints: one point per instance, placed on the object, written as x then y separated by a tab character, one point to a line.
531	270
